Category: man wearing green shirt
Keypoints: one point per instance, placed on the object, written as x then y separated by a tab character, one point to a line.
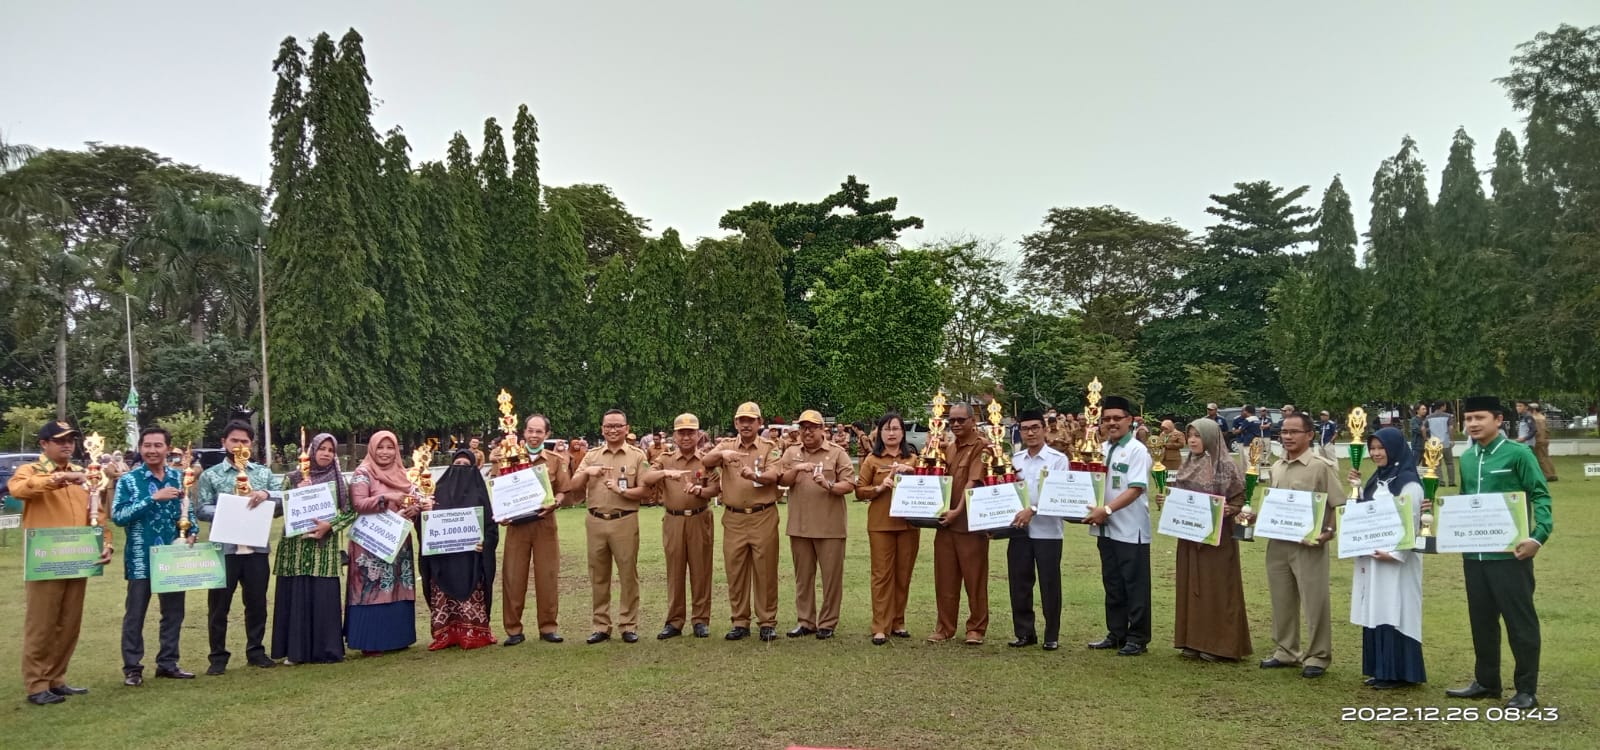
247	568
1500	585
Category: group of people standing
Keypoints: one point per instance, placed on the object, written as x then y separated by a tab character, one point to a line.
745	475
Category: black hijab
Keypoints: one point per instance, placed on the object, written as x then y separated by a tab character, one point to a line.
1401	469
458	573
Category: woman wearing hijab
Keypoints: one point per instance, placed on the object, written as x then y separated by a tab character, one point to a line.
1211	622
306	626
893	541
382	596
1386	591
460	585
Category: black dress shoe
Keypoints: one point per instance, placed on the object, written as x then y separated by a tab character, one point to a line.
824	633
1473	691
133	680
1313	672
1275	663
551	637
1052	645
597	637
799	630
216	669
901	634
1021	642
1105	643
179	673
630	637
879	640
668	632
737	634
512	640
769	633
701	630
1131	649
1523	701
45	698
65	690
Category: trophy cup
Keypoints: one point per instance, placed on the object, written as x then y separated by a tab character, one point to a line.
1002	470
191	474
933	461
512	451
1089	446
241	481
419	474
1432	454
1358	447
1158	470
1243	529
304	458
94	444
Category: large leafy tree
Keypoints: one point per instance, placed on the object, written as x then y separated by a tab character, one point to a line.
978	281
1401	241
1468	268
609	229
878	316
407	306
1104	261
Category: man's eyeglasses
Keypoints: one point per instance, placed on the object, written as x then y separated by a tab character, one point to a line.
613	426
1032	427
1294	432
1105	419
960	420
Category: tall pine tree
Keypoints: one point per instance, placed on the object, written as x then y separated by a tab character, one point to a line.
1337	354
1471	288
1401	241
407	309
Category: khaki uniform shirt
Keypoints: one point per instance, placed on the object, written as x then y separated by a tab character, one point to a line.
46	507
741	493
1310	472
675	493
624	464
814	512
874	469
966	466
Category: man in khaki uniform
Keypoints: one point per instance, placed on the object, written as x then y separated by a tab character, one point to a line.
532	541
1541	443
749	479
613	525
687	531
960	557
1297	574
1056	433
819	475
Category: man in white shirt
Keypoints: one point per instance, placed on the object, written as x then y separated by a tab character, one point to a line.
1122	526
1041	549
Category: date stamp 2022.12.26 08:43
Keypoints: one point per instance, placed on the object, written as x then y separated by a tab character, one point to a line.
1448	713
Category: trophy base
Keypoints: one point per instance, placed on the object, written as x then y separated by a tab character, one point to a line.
1428	545
1244	533
923	523
1007	532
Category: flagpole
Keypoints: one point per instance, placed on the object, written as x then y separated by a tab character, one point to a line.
127	310
266	389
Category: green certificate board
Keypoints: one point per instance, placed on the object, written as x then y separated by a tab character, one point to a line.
179	567
60	553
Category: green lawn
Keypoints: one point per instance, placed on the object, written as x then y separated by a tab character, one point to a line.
845	692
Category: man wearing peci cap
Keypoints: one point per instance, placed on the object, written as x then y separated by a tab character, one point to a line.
1500	585
1040	549
687	531
53	495
1122	528
819	475
749	480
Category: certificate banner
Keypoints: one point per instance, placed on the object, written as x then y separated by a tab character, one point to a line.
179	567
237	523
382	534
919	496
64	552
995	506
453	530
1376	526
520	493
1291	515
1070	494
303	507
1192	516
1493	522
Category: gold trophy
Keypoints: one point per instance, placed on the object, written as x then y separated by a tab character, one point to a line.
933	459
419	473
305	458
1432	455
1001	467
1089	446
1358	425
1158	471
94	444
512	451
191	474
241	481
1243	528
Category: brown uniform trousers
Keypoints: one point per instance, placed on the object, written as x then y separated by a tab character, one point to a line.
1297	574
54	609
688	541
893	544
960	557
615	540
533	542
1541	447
750	540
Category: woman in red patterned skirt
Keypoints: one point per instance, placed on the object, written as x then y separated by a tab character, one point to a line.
459	586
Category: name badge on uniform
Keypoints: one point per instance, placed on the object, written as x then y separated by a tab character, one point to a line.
622	483
1116	482
1120	467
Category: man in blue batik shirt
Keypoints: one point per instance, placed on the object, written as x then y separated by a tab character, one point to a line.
148	503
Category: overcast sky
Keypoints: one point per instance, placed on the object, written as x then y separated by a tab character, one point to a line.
978	116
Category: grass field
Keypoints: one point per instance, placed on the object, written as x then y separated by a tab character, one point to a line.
841	693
